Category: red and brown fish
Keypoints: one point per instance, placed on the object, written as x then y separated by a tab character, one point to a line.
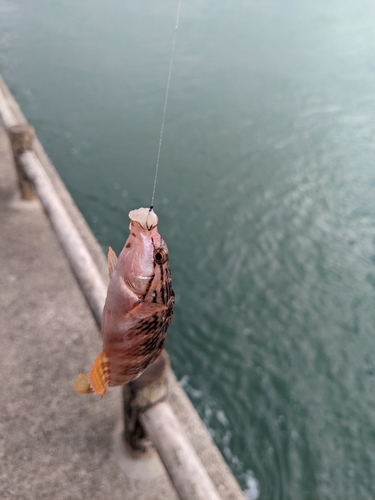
138	308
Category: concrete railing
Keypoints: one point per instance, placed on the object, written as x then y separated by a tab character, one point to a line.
148	416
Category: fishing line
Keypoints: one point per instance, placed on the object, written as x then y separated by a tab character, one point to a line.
165	103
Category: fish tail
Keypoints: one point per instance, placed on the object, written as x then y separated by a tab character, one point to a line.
82	384
97	380
98	375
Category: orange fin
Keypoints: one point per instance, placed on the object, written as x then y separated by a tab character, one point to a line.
98	375
82	384
146	309
112	260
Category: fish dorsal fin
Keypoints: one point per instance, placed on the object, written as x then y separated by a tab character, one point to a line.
146	309
112	261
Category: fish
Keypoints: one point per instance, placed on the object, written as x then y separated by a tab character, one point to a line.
138	308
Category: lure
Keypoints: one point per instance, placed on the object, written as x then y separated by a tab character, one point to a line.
138	309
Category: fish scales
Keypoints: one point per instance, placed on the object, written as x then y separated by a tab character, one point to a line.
138	309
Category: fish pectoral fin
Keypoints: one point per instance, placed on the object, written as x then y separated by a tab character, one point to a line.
82	384
112	261
146	309
98	375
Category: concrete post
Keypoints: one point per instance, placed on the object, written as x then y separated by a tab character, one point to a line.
21	137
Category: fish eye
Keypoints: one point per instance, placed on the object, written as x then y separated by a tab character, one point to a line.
160	256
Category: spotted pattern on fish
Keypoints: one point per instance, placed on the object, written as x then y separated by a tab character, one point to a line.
147	339
137	312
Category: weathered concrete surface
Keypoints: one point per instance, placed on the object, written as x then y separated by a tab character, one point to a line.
54	443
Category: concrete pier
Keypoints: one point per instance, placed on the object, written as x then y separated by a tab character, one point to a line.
54	443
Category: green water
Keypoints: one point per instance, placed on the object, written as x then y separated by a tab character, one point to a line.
266	198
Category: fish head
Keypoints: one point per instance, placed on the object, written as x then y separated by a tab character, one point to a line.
143	253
